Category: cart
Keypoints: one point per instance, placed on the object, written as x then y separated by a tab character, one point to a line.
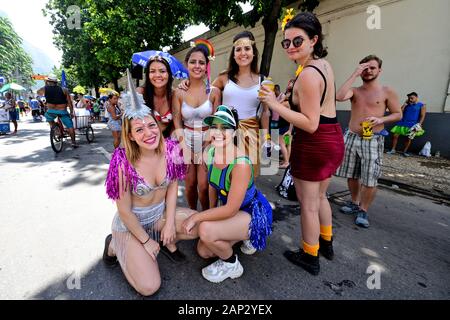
81	124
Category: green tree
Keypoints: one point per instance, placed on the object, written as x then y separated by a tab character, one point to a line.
216	14
14	60
71	76
112	30
76	44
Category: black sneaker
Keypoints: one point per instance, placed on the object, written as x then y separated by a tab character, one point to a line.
108	260
326	248
304	260
176	256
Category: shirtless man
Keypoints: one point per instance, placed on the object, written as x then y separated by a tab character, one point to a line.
58	99
363	157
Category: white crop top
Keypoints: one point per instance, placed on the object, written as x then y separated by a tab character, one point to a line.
193	117
244	100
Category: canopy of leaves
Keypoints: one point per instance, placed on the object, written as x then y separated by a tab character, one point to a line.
112	30
13	56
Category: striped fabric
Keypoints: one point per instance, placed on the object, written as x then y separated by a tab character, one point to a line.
363	158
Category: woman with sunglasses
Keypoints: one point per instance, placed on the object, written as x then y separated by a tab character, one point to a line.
157	92
244	214
318	145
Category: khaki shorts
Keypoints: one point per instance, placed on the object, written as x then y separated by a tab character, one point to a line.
362	159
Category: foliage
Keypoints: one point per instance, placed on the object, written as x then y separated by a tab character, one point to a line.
216	14
14	60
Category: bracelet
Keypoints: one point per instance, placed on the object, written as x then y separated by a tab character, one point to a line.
143	243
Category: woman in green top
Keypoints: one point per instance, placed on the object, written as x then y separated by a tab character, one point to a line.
245	214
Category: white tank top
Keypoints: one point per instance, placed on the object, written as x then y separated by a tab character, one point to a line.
193	117
244	100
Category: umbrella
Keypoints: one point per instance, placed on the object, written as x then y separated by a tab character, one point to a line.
89	97
12	86
108	91
177	68
79	89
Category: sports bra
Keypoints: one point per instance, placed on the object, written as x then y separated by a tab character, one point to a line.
323	119
193	116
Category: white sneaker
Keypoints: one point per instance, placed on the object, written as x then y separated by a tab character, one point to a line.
220	270
247	247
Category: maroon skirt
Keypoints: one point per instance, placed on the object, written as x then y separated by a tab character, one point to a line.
316	156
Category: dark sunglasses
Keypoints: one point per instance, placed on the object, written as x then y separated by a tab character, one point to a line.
297	42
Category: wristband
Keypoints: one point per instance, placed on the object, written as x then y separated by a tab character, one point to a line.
143	243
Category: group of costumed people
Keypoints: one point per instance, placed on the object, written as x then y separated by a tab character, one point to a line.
195	133
143	180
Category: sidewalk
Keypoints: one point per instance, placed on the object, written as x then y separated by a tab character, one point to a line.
429	174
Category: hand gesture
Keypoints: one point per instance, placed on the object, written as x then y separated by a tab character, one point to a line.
374	121
152	248
168	233
184	85
359	70
189	224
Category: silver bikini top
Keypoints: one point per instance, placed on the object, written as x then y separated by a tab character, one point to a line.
143	189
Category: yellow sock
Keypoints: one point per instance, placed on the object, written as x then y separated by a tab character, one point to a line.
326	232
311	249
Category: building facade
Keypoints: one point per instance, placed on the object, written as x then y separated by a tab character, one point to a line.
410	36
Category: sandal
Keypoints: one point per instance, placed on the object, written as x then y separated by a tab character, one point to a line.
107	259
176	256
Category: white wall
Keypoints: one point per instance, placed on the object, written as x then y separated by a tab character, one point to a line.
413	43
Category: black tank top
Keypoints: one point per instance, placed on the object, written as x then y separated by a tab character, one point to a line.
323	119
55	95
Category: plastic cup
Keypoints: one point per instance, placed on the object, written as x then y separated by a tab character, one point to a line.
268	83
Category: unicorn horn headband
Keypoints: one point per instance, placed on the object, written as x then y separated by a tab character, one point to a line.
135	107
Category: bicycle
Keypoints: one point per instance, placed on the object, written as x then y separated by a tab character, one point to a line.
58	132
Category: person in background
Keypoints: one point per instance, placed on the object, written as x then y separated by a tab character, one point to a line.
115	118
10	106
57	99
364	156
411	125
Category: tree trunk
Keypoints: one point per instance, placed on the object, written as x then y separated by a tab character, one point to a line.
97	94
270	24
116	84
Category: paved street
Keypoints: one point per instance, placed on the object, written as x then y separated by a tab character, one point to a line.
55	216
